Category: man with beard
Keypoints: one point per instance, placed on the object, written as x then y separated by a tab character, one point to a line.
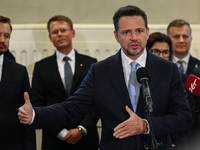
111	86
14	82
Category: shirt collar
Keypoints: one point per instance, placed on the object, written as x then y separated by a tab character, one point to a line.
141	60
1	59
60	55
185	59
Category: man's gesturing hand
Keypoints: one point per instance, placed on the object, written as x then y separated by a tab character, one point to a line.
25	113
132	126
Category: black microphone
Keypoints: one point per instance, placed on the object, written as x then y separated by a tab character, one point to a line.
143	77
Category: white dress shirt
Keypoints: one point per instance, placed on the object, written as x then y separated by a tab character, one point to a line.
1	65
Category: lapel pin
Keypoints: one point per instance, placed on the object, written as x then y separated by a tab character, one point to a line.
81	65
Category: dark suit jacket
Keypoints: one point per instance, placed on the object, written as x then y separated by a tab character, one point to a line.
14	83
105	87
9	55
47	89
193	63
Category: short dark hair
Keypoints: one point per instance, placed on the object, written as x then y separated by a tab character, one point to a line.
178	23
6	20
59	18
128	10
159	37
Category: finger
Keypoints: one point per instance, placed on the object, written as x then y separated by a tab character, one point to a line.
26	97
22	111
129	110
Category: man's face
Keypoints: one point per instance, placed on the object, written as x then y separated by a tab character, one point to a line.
181	40
132	35
5	33
61	35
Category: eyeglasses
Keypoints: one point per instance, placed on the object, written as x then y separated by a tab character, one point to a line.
55	32
165	53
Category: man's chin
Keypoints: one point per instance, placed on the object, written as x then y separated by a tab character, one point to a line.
3	51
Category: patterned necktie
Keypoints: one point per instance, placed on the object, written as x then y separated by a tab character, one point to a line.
68	75
181	69
134	86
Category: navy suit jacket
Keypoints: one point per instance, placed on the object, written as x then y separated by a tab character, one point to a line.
105	87
14	82
48	88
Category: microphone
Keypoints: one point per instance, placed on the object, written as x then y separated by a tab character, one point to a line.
143	77
192	84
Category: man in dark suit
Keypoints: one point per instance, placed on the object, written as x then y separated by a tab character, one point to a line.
48	87
180	33
14	82
106	86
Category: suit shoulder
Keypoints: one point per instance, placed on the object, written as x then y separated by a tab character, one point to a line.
45	60
87	57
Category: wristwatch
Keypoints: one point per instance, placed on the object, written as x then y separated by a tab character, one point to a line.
81	130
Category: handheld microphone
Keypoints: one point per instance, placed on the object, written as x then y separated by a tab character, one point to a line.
192	84
143	77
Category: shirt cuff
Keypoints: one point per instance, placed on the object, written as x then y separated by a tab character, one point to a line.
33	117
148	129
61	135
80	126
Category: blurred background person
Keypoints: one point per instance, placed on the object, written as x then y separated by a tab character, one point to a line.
52	84
14	82
180	33
160	44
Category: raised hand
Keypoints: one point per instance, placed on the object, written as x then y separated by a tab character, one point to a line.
25	113
132	126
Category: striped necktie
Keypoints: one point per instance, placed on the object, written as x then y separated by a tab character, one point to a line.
181	69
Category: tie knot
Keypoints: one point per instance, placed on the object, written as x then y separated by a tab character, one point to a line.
180	62
66	58
134	65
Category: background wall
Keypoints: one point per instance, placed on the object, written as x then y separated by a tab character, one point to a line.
98	11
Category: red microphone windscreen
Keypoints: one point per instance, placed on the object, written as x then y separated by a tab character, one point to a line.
192	84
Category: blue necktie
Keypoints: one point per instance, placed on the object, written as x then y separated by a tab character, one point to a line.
68	75
134	86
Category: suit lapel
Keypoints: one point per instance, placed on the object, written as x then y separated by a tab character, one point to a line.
154	68
6	74
78	69
191	65
116	75
53	70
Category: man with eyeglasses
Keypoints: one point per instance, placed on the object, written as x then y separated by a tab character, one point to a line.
55	79
181	35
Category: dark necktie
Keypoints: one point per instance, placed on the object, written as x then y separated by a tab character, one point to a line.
68	75
181	69
134	86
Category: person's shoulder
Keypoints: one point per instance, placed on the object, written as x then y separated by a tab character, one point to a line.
86	57
46	59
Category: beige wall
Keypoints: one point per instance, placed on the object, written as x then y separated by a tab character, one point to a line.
98	11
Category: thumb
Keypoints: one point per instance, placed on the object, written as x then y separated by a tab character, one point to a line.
129	110
26	97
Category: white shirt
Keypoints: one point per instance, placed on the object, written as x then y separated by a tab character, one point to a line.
185	62
1	65
126	64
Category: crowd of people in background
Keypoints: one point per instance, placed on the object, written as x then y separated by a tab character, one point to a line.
78	90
